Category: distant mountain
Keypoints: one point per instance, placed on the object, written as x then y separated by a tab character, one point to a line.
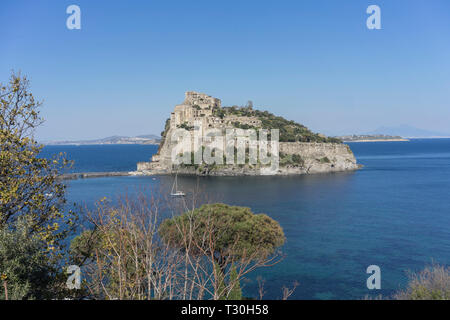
408	132
143	139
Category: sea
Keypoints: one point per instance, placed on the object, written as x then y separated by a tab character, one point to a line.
393	213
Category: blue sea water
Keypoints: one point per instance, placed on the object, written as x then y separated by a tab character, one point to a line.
103	158
394	213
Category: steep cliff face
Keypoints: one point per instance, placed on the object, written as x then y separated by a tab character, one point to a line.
320	155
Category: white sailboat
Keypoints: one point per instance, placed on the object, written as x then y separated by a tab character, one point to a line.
175	192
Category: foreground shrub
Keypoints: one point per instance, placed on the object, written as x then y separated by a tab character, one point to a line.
199	254
433	283
25	268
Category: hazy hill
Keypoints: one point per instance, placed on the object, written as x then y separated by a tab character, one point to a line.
408	132
142	139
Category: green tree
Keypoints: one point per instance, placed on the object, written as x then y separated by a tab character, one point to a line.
230	290
30	190
232	238
220	279
235	292
237	232
24	264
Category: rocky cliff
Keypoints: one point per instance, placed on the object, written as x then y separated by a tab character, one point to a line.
299	150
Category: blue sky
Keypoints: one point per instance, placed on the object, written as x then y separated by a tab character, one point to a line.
312	61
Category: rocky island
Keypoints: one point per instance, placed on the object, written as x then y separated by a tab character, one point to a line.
300	151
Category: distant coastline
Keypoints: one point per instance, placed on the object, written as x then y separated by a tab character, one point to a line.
144	139
377	140
371	138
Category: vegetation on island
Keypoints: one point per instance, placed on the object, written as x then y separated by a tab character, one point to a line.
185	126
291	160
290	131
163	134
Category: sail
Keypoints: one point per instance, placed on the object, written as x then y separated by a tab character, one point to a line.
175	191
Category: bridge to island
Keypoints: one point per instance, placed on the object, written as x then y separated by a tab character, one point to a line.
86	175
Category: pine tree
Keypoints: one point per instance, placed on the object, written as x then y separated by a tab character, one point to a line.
220	283
235	292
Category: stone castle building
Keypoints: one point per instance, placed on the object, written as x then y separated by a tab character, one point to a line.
196	106
199	107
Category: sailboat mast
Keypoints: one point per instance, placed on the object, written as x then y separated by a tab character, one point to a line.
176	182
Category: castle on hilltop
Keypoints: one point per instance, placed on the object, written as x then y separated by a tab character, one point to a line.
195	107
200	107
